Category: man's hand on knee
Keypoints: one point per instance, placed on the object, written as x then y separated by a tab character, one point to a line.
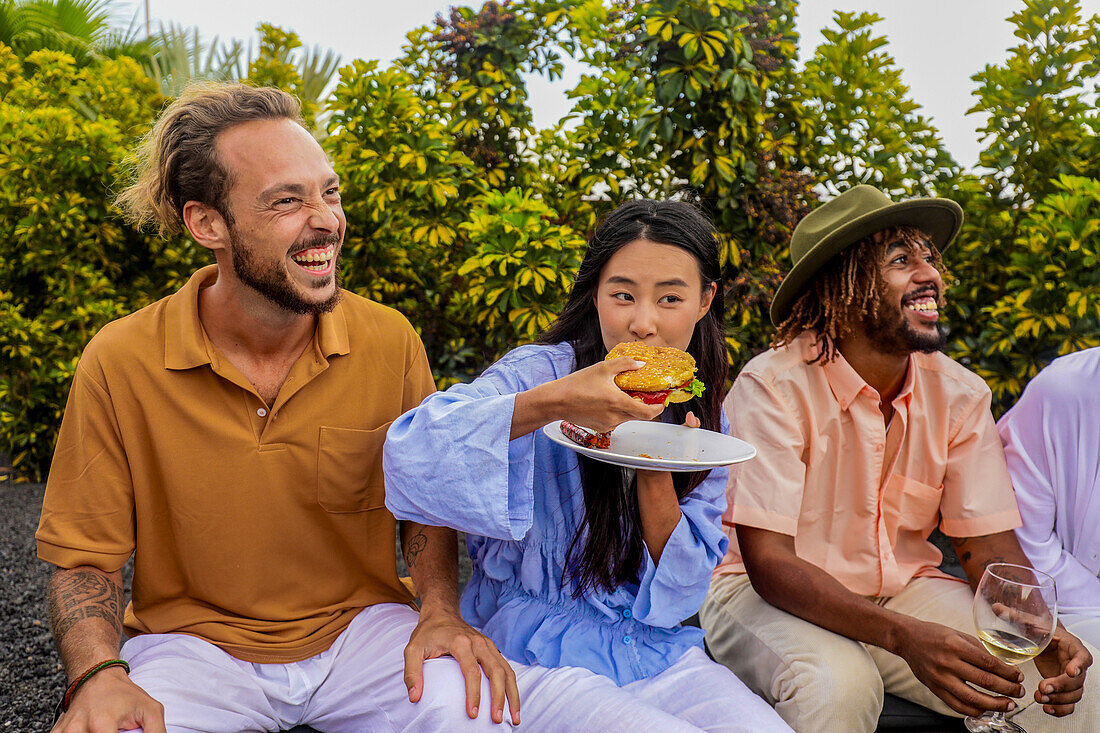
946	660
446	634
109	702
1062	664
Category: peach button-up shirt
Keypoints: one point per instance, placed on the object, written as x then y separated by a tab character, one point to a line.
859	497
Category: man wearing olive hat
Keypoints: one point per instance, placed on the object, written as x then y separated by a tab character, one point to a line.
868	438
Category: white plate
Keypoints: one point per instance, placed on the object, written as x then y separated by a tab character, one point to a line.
661	447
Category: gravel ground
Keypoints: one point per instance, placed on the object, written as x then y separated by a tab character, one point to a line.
31	678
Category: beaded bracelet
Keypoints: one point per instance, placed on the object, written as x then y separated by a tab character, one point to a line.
67	700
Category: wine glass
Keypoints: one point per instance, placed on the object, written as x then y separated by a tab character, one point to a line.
1016	612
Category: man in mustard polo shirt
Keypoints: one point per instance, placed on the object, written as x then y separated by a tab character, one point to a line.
867	438
230	438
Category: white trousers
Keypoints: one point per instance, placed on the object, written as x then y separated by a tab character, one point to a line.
694	694
356	685
822	682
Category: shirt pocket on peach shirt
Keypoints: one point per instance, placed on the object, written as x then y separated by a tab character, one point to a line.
915	505
349	469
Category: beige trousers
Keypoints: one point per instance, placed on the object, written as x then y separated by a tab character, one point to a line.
821	682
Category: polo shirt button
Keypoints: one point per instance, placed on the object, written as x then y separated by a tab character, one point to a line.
261	412
627	639
627	613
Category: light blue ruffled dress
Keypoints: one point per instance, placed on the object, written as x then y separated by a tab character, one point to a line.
449	462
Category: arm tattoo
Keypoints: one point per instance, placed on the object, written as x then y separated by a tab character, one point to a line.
75	596
960	543
414	546
966	553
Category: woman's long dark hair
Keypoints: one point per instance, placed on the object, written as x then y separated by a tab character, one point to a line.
611	533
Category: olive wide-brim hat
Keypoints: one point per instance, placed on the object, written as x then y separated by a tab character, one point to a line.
857	213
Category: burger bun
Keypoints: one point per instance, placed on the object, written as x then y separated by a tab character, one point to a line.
665	367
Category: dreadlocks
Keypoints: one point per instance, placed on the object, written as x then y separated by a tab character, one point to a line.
845	290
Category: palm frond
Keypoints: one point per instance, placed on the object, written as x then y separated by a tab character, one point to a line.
84	29
88	21
180	56
129	41
54	39
318	71
14	23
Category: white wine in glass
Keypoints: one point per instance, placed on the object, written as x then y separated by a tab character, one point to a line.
1016	612
1008	647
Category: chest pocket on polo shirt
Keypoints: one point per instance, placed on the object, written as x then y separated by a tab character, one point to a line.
349	469
917	504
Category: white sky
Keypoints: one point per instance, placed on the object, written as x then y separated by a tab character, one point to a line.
938	44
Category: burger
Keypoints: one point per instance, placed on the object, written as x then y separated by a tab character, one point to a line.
668	375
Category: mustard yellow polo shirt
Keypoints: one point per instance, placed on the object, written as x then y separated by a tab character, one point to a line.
260	528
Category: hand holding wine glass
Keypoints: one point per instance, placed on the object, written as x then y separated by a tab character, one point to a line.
1063	665
1016	613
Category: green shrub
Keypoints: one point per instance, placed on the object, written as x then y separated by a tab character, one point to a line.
471	222
1051	302
68	264
517	279
1041	148
406	191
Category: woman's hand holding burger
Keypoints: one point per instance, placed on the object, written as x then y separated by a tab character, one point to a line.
592	399
587	397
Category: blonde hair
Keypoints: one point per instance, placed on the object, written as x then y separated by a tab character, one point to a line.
178	161
845	290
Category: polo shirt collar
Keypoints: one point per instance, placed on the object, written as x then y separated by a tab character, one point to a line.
332	332
185	341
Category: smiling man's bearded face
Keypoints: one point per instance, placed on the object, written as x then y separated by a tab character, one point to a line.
910	298
283	214
269	279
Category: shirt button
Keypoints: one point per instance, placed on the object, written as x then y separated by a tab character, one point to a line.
627	613
261	412
627	639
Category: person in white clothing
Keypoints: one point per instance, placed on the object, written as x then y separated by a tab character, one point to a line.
1052	443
